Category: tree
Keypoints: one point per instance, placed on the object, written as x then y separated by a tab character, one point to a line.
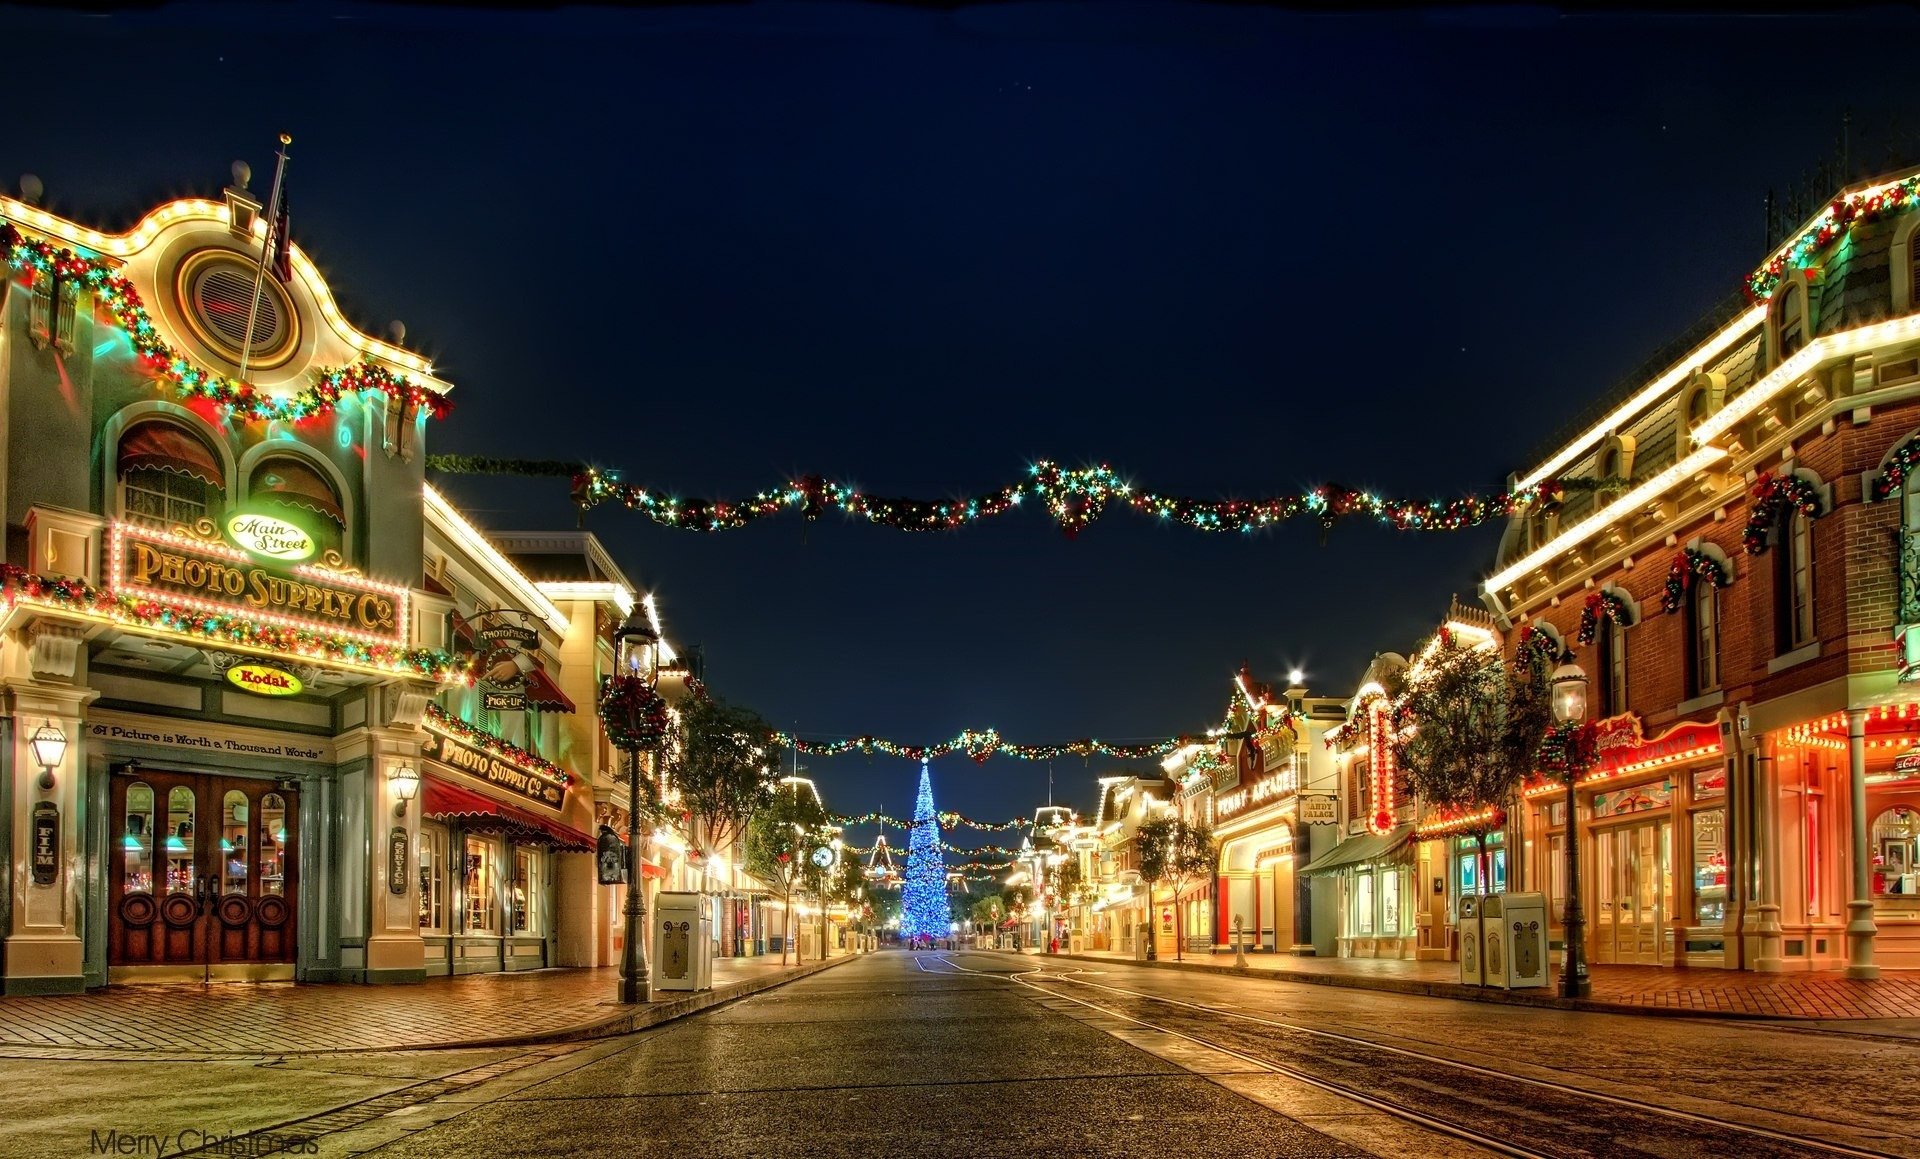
780	837
720	767
1472	731
1194	861
924	892
1158	844
988	911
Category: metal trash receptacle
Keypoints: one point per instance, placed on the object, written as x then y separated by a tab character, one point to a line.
682	942
1467	929
1516	940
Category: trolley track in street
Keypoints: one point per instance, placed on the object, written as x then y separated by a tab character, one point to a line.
1507	1113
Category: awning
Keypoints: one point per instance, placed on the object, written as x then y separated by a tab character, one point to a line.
165	447
1359	851
480	814
292	482
543	693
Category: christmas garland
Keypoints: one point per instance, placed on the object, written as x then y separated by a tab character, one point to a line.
1841	215
1606	605
1687	568
981	745
492	745
1900	464
1073	497
1536	646
61	594
635	716
1773	495
122	300
947	821
1570	747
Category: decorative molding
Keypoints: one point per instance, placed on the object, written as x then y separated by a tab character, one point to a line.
53	649
402	705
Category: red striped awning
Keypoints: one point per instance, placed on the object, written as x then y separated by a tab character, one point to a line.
442	801
165	447
543	693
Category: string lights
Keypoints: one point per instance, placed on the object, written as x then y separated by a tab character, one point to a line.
1073	497
43	259
982	744
1840	216
441	721
1689	567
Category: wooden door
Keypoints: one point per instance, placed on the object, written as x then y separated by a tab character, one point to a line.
203	870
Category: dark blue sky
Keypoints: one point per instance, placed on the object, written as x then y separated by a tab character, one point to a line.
1230	251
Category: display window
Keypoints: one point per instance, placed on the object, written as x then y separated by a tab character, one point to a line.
433	878
1895	852
482	897
1709	866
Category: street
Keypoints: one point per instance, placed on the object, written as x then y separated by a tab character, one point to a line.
991	1054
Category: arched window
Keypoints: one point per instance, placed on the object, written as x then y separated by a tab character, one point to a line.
1793	581
1789	321
1609	463
296	490
168	477
1703	638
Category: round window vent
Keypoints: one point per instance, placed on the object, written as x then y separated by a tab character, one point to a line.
216	293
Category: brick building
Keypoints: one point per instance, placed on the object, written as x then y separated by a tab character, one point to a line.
1729	564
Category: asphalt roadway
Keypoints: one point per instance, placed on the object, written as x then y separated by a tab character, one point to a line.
991	1054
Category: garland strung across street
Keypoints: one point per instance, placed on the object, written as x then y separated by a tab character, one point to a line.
982	744
1073	497
1773	496
947	821
1689	567
76	596
43	259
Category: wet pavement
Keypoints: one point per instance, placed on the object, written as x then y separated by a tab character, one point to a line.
991	1054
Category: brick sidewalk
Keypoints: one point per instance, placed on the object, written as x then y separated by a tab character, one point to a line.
1624	989
273	1018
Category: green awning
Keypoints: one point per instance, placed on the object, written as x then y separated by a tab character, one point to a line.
1368	847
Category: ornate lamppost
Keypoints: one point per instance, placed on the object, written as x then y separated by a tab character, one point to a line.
635	717
1570	746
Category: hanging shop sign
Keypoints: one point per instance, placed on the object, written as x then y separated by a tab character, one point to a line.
215	576
504	641
495	771
46	843
1319	809
610	857
270	536
264	680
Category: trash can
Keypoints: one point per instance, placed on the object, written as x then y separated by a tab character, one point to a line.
1467	928
1516	940
682	940
1076	944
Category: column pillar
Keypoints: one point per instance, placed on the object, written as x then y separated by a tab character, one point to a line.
1739	845
1860	927
45	940
1766	845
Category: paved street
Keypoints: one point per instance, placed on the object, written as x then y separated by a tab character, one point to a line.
989	1054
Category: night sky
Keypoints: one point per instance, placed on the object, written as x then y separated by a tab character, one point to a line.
1228	251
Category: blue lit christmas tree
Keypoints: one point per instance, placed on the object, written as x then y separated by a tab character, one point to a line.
923	897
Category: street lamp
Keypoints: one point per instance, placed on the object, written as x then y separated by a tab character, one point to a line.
1567	689
49	749
637	653
405	780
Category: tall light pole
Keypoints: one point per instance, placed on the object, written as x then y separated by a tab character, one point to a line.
1569	696
629	705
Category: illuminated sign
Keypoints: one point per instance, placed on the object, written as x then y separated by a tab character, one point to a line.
217	577
1267	788
264	680
271	537
493	770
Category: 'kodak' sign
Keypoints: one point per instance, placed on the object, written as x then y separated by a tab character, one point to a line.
214	576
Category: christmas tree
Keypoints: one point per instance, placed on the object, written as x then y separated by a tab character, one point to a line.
923	897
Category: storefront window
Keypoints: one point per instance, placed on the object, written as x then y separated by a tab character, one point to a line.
1896	849
1363	904
482	902
1390	902
233	842
273	845
1812	854
1709	784
180	838
526	890
1557	878
1709	867
138	840
433	877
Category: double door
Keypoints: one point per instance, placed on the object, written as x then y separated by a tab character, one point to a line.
1633	886
202	875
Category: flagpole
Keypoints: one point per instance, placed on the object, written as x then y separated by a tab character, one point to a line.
260	270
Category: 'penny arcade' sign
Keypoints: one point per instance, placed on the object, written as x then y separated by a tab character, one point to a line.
215	576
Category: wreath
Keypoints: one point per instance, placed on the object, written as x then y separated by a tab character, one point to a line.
1773	495
634	714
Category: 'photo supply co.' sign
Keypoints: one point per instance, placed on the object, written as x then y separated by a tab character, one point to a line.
491	769
218	577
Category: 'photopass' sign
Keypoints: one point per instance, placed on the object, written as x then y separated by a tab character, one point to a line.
504	640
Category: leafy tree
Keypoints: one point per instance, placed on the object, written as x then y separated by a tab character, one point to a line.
720	768
1158	843
779	837
1195	859
1475	730
988	911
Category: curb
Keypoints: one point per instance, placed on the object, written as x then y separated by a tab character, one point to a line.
1454	990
